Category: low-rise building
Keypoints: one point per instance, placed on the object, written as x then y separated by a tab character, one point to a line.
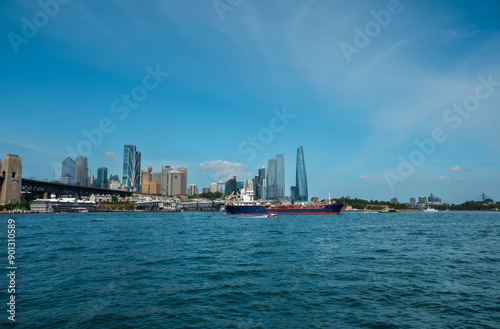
62	205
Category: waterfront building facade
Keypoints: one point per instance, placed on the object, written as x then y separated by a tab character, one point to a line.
131	167
62	205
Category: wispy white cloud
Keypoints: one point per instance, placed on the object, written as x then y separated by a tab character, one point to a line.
443	178
32	147
222	169
110	154
457	169
363	177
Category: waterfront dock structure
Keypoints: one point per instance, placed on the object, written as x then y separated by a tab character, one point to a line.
62	205
172	205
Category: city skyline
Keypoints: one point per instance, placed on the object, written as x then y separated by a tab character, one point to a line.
405	109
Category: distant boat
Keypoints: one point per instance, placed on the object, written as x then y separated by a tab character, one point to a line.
430	210
270	215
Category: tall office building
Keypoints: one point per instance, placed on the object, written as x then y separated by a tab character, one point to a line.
193	190
221	187
256	186
184	179
68	171
156	177
91	180
263	183
131	167
81	171
299	191
146	179
154	187
176	183
231	186
155	184
275	177
280	176
212	187
102	177
271	178
261	194
166	187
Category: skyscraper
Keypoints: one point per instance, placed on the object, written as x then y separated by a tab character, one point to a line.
166	186
176	183
263	186
81	171
299	191
271	178
193	190
280	176
184	179
212	187
231	186
221	187
102	177
145	180
68	171
131	167
275	177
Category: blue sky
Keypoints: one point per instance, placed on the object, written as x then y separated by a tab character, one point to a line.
225	71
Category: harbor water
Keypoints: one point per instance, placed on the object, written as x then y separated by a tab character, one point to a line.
211	270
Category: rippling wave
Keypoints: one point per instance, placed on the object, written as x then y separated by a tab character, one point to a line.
210	270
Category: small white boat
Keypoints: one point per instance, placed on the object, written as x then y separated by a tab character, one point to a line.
270	215
430	210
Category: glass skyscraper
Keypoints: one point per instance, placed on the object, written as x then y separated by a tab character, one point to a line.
68	171
131	167
81	171
280	176
102	177
271	178
299	191
275	177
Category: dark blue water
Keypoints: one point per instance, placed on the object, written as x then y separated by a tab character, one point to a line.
210	270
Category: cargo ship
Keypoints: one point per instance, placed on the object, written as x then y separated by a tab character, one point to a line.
245	205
